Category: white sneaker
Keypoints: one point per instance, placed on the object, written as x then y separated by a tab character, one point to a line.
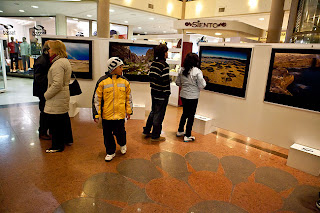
123	149
109	157
188	139
179	134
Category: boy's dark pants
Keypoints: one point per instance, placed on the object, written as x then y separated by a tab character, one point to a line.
156	116
189	110
110	128
61	129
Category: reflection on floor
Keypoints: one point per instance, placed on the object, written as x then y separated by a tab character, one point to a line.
221	172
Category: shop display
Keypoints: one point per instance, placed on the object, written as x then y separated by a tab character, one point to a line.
79	55
294	76
137	59
3	78
225	69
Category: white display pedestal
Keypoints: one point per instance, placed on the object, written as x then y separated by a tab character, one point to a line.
203	125
174	96
304	158
139	112
73	109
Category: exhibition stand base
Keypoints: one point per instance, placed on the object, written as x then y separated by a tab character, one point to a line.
203	125
139	111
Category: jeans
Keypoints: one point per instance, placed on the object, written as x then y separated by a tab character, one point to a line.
189	110
25	59
16	60
156	116
110	128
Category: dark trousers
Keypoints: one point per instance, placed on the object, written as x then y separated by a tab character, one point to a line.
189	110
111	128
156	116
25	59
43	123
15	57
60	127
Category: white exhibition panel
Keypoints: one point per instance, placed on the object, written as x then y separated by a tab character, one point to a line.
272	123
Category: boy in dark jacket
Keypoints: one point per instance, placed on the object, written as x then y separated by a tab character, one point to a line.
40	84
160	92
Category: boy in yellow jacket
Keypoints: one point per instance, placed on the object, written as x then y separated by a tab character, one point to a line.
112	102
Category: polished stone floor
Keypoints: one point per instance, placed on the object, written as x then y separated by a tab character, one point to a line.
219	172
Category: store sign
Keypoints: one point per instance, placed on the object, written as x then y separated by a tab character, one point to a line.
8	29
38	30
198	24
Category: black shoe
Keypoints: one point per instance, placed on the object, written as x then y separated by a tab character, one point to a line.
69	144
318	204
146	135
51	150
44	137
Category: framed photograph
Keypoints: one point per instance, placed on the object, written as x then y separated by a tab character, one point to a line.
80	56
293	79
137	59
225	69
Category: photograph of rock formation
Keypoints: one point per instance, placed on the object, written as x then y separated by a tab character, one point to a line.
78	55
137	59
225	68
296	74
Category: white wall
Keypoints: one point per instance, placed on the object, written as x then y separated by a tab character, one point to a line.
275	124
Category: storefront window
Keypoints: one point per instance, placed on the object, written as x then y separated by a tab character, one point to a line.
310	20
77	27
116	31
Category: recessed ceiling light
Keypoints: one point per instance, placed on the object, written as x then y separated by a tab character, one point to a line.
50	17
126	22
1	11
145	32
261	19
151	18
22	11
111	10
31	17
89	16
164	31
138	34
75	19
139	28
218	33
34	6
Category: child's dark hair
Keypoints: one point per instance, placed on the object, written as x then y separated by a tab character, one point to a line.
191	60
160	51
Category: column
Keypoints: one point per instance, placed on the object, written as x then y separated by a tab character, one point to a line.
130	32
90	28
292	19
183	12
275	22
103	18
61	24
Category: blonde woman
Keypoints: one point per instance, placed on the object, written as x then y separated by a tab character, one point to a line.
58	96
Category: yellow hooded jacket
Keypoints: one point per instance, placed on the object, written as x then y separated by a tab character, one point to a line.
113	93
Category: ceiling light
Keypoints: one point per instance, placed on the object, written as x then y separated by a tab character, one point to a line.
31	17
50	17
164	31
89	16
34	6
1	11
22	11
261	19
111	10
218	33
126	22
75	19
139	28
151	18
145	32
253	4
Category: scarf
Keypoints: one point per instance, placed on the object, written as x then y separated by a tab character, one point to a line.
53	58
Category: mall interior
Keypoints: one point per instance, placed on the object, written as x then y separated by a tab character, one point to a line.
256	126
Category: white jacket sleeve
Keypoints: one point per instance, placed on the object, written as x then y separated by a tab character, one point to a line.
178	81
200	80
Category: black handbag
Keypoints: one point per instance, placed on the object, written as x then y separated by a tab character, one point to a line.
74	87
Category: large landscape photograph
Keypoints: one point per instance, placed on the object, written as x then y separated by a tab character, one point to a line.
296	74
224	67
137	59
78	55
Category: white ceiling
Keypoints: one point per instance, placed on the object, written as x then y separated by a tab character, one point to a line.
142	22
